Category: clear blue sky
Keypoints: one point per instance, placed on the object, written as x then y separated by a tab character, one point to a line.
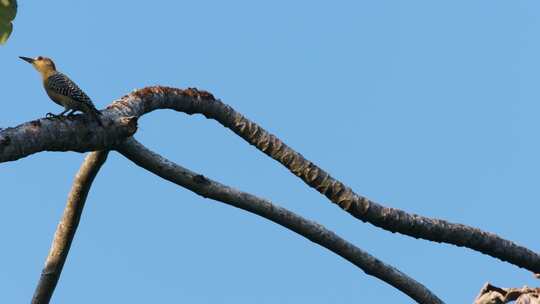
426	106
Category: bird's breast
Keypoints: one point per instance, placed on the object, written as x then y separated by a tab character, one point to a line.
63	100
57	98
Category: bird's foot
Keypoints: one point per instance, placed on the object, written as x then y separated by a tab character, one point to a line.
54	116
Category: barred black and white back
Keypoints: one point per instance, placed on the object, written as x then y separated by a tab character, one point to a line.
66	93
61	84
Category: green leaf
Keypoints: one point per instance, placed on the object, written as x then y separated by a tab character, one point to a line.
5	31
8	11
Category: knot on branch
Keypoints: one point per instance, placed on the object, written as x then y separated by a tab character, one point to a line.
5	140
130	125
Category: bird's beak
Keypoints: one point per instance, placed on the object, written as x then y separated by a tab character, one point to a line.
29	60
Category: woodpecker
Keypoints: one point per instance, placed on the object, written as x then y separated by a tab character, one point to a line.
63	90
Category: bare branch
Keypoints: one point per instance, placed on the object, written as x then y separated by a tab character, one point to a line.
68	226
309	229
65	134
192	101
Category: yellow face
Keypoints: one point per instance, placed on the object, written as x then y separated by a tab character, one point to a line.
42	64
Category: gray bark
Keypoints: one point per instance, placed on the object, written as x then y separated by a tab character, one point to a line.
192	101
75	133
311	230
65	232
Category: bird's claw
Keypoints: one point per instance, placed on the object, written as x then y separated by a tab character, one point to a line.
53	116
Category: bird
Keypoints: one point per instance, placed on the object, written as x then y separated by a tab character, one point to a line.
62	90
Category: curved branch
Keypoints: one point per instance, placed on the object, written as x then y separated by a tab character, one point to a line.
317	233
68	226
192	101
29	140
63	134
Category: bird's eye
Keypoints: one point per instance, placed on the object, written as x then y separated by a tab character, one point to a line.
40	58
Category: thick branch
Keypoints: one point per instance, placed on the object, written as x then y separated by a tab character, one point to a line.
309	229
191	101
63	134
68	226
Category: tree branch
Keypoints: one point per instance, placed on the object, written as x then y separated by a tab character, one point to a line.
317	233
64	134
192	101
73	134
67	227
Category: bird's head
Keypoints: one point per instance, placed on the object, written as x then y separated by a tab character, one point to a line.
43	64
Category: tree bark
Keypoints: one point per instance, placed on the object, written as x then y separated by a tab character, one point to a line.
191	101
67	227
24	140
313	231
490	294
64	134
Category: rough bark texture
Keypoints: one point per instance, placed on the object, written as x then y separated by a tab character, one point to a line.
74	133
490	294
192	101
67	227
309	229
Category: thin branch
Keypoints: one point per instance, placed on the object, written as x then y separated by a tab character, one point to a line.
63	134
67	227
317	233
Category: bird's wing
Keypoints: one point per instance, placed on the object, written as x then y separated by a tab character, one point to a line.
61	84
